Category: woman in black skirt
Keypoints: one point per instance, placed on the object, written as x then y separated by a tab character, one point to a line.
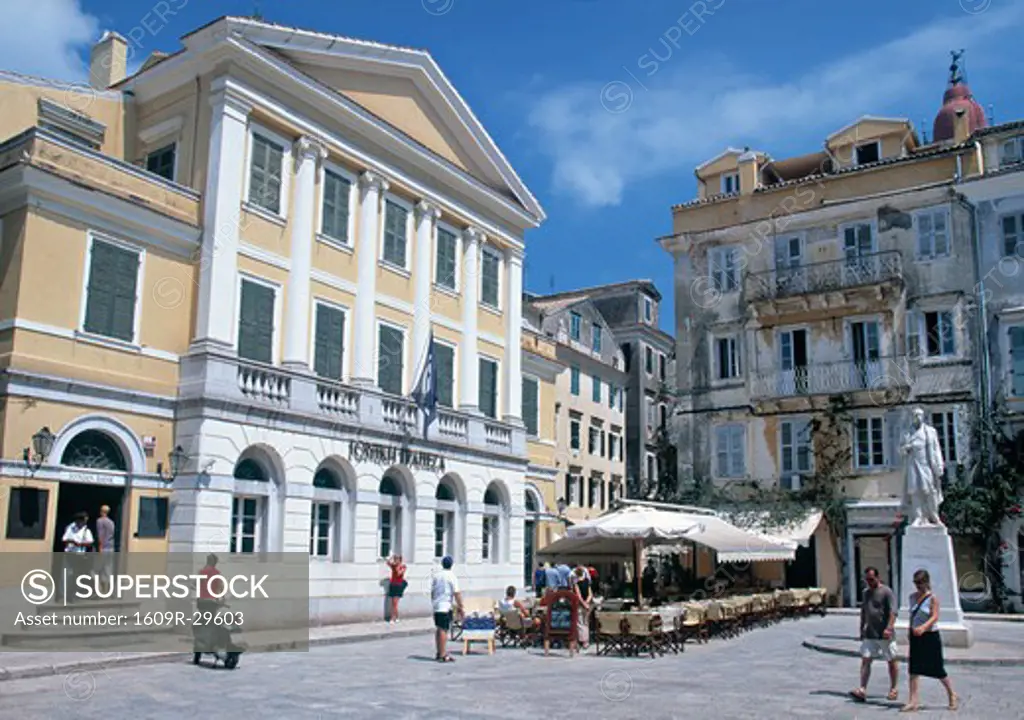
925	642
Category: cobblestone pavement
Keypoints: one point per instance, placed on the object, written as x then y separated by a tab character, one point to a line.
763	674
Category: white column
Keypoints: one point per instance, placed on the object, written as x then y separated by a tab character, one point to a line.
469	376
372	187
513	391
308	154
426	218
222	202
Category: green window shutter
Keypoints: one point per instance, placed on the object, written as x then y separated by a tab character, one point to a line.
445	357
329	342
265	174
488	396
1017	360
395	224
530	406
390	351
489	279
447	245
335	211
256	323
112	291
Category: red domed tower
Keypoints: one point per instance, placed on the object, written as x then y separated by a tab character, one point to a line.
958	97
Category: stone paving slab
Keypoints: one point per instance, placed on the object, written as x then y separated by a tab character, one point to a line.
994	644
28	664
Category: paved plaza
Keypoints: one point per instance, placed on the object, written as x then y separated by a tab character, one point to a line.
765	674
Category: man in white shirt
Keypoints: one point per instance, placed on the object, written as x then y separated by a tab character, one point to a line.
77	540
444	591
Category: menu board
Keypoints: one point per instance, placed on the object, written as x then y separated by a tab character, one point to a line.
561	618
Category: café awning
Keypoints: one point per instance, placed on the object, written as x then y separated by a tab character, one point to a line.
616	534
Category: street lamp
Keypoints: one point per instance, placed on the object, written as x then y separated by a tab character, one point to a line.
176	458
42	444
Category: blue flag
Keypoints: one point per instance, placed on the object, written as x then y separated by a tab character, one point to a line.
425	392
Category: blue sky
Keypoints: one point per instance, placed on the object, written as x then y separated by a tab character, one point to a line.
604	107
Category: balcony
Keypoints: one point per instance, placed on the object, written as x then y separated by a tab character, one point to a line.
833	276
878	377
284	397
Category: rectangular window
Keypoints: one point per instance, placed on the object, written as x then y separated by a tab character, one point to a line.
575	323
795	457
648	310
265	168
595	338
490	264
574	434
440	534
152	517
661	367
531	413
730	183
396	224
869	447
869	152
329	341
932	234
246	514
444	357
488	525
663	416
1011	151
111	291
730	451
336	207
161	161
945	427
939	334
489	387
321	515
612	392
390	359
594	499
727	358
596	391
26	513
256	322
1013	236
1017	361
446	270
651	467
386	531
724	268
593	439
574	380
648	360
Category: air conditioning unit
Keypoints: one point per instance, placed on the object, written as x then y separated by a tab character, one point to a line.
790	482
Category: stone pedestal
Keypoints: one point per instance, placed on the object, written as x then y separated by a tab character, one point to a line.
930	548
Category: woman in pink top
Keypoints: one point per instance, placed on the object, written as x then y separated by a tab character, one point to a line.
396	585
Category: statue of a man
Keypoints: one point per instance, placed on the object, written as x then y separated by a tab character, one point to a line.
923	470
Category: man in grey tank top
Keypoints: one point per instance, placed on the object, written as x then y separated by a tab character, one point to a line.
877	633
105	531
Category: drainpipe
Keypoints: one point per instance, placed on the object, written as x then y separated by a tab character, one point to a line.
984	384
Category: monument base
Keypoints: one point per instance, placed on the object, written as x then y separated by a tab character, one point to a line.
929	547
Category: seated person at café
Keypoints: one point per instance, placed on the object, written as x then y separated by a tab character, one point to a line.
509	602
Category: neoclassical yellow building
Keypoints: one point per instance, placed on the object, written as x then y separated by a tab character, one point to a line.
220	276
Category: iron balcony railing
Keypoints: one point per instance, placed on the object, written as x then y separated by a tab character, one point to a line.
829	276
875	375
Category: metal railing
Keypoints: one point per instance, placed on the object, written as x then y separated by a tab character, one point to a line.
878	374
826	276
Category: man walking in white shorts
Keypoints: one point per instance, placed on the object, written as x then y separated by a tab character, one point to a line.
877	634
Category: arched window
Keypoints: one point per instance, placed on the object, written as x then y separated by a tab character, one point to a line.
391	502
252	504
95	450
491	550
446	518
324	515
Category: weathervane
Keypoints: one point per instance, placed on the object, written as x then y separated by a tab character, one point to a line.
956	73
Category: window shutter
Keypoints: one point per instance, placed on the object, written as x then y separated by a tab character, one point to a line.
256	322
893	437
488	388
125	281
445	358
390	353
1017	360
99	304
330	333
446	249
530	405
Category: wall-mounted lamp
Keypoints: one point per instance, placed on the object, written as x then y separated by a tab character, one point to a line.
42	444
176	459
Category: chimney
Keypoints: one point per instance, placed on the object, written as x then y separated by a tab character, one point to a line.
108	62
749	172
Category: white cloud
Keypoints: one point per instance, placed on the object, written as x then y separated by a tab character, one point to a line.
601	137
49	38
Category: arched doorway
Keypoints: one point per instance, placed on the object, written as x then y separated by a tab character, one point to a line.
256	503
533	503
495	524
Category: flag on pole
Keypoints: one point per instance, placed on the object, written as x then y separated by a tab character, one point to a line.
425	392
